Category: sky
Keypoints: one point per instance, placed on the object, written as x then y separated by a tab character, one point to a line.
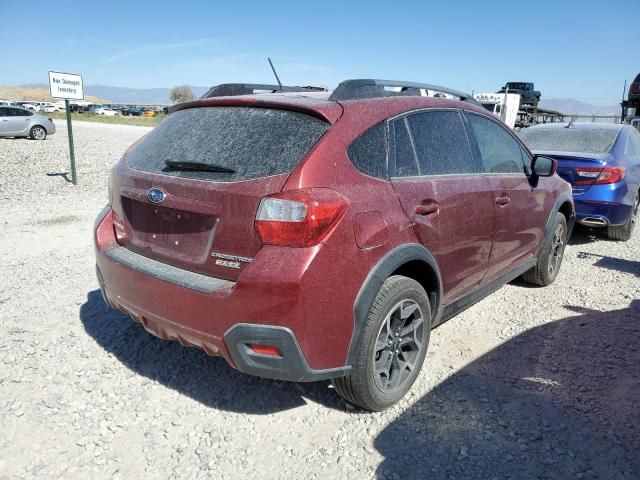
570	49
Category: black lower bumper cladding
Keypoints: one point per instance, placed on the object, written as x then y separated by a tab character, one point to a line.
290	366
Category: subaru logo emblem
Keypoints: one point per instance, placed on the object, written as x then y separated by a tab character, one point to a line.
155	195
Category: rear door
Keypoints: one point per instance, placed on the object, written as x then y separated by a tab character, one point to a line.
203	221
449	204
15	121
519	207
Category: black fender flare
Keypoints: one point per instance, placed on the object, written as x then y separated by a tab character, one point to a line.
562	199
390	262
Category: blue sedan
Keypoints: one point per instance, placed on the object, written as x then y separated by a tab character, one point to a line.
602	164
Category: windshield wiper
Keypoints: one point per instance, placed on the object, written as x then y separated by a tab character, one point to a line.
197	166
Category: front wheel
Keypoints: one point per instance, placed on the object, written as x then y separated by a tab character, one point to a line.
391	348
38	133
624	232
550	259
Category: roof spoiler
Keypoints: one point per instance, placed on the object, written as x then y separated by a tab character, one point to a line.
358	89
234	89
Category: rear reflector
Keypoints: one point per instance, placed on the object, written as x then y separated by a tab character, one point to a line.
299	218
598	176
265	350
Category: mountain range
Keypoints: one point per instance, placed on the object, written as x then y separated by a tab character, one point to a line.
161	95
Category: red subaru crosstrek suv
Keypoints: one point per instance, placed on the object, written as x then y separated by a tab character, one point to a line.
307	237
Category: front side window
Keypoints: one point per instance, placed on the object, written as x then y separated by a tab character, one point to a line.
499	151
441	143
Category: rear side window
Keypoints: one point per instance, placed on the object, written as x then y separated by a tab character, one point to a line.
499	151
254	142
368	153
441	143
406	164
16	112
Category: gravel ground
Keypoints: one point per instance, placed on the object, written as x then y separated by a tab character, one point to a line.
529	383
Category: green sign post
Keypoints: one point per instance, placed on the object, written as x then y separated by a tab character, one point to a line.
69	87
72	155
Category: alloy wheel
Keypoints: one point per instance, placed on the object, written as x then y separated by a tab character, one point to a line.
38	133
398	345
557	249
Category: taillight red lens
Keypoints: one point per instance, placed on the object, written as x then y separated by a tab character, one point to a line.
598	176
119	228
299	218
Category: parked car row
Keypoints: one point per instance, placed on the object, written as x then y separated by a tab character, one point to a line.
119	109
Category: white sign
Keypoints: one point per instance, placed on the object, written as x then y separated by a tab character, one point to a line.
66	85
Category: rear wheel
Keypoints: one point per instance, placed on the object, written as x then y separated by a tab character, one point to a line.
38	133
624	232
550	259
391	348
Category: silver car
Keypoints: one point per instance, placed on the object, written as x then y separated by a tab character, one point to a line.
20	122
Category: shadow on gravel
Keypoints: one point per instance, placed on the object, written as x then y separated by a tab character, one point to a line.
209	380
612	263
584	235
64	175
559	401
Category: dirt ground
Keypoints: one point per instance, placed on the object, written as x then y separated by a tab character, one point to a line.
529	383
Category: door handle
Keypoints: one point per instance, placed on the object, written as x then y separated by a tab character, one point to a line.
427	209
503	199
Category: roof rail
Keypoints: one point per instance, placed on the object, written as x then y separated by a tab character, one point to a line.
233	89
369	88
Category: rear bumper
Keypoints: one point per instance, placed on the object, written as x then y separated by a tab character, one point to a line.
265	306
603	205
594	213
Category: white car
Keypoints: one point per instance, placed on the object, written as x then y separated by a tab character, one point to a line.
53	108
107	112
31	106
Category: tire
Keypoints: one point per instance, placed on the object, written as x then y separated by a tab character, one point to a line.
38	133
550	259
399	356
624	232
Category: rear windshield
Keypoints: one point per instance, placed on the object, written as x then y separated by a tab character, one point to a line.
585	140
254	142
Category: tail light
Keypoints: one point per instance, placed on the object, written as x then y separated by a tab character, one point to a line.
598	176
119	228
299	218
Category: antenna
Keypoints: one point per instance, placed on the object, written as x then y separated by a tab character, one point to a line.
274	72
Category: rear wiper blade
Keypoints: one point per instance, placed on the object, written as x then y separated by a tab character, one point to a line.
197	166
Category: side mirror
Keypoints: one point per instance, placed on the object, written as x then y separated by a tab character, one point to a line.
543	166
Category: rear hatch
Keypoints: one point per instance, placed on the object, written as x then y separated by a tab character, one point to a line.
203	221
